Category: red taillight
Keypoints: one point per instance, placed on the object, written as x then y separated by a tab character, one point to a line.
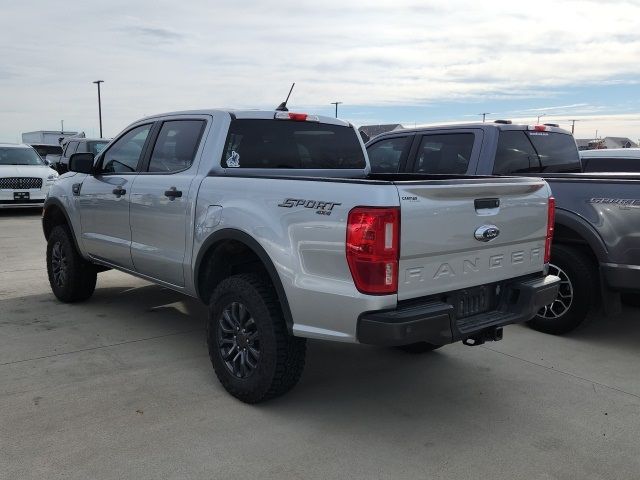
551	217
373	239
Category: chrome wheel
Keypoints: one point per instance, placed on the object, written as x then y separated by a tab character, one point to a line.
239	342
563	301
59	264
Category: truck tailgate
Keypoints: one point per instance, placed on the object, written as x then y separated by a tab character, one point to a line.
439	250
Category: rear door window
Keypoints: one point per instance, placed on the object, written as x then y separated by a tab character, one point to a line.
385	155
253	143
176	146
444	153
515	154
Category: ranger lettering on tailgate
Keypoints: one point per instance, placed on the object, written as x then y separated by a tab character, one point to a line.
473	265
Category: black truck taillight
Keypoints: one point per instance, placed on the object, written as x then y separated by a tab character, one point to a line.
551	218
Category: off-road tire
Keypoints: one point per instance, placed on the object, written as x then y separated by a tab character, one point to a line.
419	347
282	355
584	281
78	280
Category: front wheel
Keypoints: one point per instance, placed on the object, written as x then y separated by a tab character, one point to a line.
252	352
577	294
71	277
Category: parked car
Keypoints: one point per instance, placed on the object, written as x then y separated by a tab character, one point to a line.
79	145
611	160
270	219
25	179
596	251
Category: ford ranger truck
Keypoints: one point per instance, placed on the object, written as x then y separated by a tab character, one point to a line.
595	253
271	218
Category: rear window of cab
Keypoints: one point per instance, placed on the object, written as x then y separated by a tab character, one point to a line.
253	143
521	151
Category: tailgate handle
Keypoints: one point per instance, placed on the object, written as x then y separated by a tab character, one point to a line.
486	203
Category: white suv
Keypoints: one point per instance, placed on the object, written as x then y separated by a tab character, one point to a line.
25	178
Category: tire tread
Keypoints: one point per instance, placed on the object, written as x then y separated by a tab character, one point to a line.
290	350
81	274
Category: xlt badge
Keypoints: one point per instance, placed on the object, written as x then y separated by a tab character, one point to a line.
321	208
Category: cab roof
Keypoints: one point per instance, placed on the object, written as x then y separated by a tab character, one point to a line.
473	125
248	114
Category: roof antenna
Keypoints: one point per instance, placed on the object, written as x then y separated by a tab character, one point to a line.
283	106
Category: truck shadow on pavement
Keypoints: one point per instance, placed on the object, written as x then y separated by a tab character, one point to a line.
341	382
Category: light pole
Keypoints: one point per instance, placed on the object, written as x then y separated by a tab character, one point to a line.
98	82
541	115
484	114
573	124
336	104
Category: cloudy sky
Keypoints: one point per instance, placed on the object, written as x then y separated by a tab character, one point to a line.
410	62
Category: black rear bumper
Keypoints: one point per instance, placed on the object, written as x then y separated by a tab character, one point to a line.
435	321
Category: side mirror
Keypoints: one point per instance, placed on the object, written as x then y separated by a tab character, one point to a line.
81	163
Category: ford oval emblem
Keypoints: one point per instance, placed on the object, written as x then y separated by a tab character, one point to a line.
486	233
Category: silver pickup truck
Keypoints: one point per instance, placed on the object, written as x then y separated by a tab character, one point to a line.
273	220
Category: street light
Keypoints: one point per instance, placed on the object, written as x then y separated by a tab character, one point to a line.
336	104
541	115
573	124
98	82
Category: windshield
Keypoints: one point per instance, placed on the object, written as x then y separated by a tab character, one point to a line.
291	144
19	156
97	147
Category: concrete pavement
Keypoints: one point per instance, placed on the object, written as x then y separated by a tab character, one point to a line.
121	387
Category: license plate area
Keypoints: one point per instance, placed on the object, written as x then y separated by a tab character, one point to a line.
472	301
20	196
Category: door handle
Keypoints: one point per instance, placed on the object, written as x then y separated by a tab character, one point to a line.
173	193
118	192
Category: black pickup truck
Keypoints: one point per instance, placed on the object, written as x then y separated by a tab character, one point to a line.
596	250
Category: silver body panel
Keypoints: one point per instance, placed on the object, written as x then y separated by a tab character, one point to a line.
148	235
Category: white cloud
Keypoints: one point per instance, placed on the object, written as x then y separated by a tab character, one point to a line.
159	56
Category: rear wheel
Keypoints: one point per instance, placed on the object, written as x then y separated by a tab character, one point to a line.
71	277
577	294
419	347
253	354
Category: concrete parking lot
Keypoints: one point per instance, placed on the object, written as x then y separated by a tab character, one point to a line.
121	387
